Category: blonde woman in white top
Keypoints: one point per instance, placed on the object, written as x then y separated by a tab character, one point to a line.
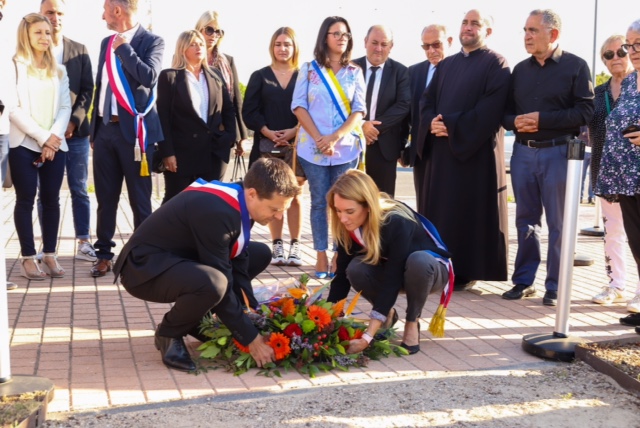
37	144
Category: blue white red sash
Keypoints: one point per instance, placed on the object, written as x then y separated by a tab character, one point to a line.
233	195
124	95
356	235
341	103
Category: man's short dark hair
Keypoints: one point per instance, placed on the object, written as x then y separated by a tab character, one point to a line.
272	176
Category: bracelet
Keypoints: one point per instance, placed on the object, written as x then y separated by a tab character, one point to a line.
367	337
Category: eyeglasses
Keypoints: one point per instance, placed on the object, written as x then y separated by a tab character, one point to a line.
608	55
635	46
435	45
339	35
210	31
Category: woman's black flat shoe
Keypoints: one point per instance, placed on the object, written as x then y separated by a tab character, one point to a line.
412	349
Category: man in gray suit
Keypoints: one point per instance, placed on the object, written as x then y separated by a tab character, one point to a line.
75	58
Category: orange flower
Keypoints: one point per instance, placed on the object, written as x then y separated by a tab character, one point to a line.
357	334
280	344
286	306
338	308
297	293
319	316
241	347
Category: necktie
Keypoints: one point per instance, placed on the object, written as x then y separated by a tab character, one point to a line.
106	111
432	71
372	81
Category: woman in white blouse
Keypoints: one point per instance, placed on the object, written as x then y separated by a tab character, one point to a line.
37	144
197	117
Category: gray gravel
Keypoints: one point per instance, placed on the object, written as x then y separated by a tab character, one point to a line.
548	395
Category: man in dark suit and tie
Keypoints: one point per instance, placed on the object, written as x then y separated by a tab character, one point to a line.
117	151
435	43
388	102
75	58
195	251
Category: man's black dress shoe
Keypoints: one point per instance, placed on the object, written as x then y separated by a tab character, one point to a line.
550	298
519	291
632	320
174	353
413	349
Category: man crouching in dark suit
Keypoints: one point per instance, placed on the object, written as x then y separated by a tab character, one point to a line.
388	103
195	251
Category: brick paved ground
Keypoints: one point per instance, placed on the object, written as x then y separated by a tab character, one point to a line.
96	342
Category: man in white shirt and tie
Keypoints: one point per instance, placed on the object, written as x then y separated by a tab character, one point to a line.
388	102
436	44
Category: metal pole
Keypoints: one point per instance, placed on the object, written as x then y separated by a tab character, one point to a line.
595	35
575	154
5	353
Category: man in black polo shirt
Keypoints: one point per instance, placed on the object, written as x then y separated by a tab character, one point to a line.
550	97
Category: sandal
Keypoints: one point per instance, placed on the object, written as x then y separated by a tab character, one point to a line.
50	265
30	268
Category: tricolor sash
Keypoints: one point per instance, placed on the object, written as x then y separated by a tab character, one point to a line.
356	235
342	103
124	95
233	195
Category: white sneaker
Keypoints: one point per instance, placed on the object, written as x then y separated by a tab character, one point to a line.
277	255
294	255
608	295
86	252
633	305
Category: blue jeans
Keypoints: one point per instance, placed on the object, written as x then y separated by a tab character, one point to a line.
539	181
321	178
4	155
25	181
77	174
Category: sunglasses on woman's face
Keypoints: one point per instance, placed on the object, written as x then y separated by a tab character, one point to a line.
210	31
608	55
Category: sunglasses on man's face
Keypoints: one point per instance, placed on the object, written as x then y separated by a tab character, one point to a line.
608	55
210	31
435	45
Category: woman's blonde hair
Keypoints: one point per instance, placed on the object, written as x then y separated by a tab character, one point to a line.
207	17
24	50
185	39
290	34
355	185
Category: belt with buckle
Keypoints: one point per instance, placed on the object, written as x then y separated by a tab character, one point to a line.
541	144
114	119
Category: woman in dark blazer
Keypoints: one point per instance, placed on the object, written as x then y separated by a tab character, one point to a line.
209	26
196	115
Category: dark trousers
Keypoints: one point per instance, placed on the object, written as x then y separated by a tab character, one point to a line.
113	161
630	207
25	180
539	178
423	275
382	171
196	289
419	172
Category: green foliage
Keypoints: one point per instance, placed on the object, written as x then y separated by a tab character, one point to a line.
602	78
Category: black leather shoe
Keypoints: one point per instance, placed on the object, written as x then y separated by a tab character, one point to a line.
174	353
413	349
632	320
100	268
550	298
638	330
392	319
519	291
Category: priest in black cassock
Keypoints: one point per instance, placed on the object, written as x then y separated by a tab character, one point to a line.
461	142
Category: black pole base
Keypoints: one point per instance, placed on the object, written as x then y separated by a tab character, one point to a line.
551	346
591	231
580	260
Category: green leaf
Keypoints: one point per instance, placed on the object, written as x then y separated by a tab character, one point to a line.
298	318
223	340
308	326
210	352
